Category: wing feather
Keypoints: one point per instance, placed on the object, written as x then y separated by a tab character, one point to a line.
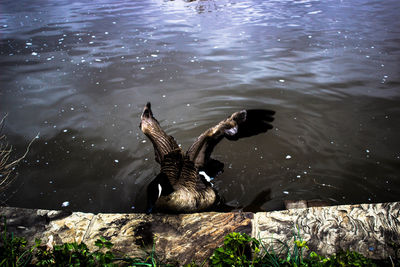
240	124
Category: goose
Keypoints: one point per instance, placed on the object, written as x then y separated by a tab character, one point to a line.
184	184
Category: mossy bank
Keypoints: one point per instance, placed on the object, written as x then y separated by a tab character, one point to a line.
370	229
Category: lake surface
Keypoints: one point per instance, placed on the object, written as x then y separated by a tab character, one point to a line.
79	73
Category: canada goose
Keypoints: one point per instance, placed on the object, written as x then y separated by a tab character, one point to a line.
183	184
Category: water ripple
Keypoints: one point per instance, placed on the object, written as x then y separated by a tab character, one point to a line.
329	69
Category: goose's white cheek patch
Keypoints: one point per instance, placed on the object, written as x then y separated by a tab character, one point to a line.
159	190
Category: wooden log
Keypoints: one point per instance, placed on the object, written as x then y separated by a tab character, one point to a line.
371	229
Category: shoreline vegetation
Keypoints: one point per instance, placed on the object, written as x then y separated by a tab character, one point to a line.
7	164
238	250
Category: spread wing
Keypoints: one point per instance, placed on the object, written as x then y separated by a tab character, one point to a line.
240	124
163	144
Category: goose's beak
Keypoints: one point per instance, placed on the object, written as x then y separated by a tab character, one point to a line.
149	210
151	203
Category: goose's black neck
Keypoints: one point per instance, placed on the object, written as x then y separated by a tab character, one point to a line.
160	186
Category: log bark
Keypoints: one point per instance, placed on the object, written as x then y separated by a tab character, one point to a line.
371	229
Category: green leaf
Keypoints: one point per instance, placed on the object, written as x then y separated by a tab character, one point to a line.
69	246
98	243
38	242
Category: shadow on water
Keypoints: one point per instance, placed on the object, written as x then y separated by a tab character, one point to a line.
296	160
79	73
92	176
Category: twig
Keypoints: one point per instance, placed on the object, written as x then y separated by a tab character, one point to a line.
2	124
6	168
15	162
325	185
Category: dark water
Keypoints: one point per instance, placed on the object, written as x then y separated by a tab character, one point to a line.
79	73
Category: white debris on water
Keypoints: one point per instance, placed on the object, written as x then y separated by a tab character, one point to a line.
34	54
116	161
314	12
288	157
286	192
281	80
65	204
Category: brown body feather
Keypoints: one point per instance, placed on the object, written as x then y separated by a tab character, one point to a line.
190	192
187	190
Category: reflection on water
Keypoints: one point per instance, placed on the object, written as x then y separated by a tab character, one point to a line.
79	72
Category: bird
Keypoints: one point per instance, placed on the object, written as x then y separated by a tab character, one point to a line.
183	184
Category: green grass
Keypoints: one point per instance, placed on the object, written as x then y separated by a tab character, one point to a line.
238	250
15	252
233	253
